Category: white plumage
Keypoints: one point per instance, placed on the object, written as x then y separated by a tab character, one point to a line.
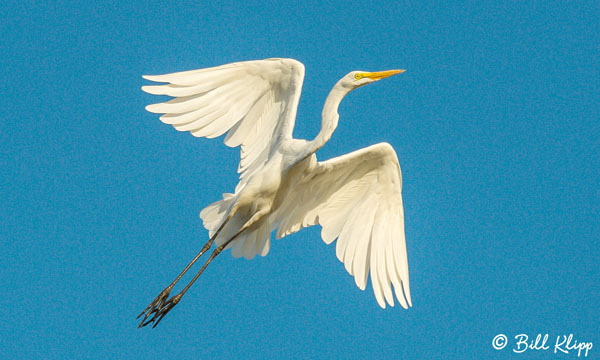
356	198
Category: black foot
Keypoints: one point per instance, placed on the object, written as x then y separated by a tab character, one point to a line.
164	310
155	307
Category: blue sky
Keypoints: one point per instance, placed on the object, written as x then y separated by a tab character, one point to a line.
495	124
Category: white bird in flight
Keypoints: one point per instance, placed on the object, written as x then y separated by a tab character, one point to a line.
356	198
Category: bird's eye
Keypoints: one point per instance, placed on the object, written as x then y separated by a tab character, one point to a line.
358	76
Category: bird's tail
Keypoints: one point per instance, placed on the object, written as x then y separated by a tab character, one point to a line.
247	244
215	214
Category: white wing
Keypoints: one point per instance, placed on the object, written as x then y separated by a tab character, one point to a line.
255	102
357	199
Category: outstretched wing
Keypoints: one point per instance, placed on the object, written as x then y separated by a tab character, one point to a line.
254	102
357	199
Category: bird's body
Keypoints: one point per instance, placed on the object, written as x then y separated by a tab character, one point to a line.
356	198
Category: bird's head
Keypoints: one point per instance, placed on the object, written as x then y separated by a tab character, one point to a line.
356	79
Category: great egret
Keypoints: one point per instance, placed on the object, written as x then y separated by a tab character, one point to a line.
356	197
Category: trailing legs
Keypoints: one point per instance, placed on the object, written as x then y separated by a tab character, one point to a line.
160	301
161	306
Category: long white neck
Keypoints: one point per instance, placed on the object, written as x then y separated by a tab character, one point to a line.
329	117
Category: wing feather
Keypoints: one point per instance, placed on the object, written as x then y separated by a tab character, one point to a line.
192	77
360	269
237	134
357	199
254	102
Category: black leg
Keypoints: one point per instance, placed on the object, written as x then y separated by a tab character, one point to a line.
170	304
161	300
164	307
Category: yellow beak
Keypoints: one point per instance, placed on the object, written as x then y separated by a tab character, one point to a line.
382	74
